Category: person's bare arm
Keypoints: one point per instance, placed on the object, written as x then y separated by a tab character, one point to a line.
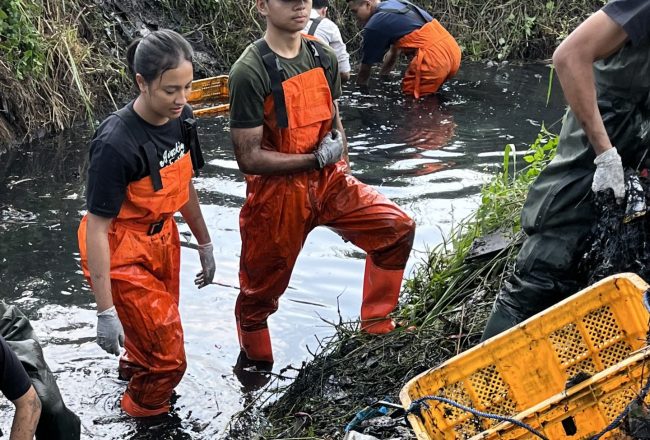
339	127
252	159
28	412
596	38
364	74
193	216
389	61
99	259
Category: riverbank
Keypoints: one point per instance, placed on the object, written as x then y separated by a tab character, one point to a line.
62	62
447	300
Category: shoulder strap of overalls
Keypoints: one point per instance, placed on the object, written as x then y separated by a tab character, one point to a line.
408	6
139	132
314	25
274	70
191	139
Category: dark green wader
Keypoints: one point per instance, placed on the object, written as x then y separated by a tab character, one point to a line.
559	214
57	422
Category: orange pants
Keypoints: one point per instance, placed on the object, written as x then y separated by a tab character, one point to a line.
146	296
274	231
436	59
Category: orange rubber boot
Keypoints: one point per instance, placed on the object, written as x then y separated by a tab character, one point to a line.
256	344
135	410
381	289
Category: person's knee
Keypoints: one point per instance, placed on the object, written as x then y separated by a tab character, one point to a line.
396	253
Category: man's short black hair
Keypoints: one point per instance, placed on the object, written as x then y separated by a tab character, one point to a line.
318	4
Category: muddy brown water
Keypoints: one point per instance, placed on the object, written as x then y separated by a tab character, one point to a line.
431	156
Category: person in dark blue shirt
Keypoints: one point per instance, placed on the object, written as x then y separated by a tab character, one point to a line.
398	26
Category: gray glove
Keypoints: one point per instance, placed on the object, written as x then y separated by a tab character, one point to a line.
330	149
206	255
609	174
110	334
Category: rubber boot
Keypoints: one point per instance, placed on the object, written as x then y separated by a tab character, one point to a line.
252	375
381	289
256	344
134	410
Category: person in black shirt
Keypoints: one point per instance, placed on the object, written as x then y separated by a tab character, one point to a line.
142	159
15	385
604	69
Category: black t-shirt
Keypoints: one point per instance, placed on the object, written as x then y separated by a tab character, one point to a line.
117	159
14	381
633	16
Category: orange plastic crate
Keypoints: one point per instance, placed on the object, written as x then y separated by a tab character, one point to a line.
589	332
209	96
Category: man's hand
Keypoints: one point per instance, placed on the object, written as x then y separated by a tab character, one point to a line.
206	254
110	334
330	149
609	174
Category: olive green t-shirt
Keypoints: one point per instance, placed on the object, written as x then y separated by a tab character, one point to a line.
249	84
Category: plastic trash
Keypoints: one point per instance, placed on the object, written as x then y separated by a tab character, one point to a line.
368	412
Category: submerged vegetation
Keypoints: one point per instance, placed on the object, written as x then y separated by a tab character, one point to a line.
62	60
447	300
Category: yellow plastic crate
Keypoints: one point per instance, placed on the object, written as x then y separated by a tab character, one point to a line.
209	96
588	332
585	409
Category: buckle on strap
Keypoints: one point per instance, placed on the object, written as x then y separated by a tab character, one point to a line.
155	228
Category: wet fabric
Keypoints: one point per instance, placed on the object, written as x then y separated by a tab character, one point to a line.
57	422
280	211
145	270
559	211
436	59
14	382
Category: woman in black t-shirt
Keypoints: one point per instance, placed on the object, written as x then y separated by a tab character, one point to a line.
141	165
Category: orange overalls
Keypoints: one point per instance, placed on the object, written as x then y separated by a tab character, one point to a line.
436	59
280	211
145	271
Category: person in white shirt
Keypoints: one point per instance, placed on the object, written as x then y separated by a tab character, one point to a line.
327	31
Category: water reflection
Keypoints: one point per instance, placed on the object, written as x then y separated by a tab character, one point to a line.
431	156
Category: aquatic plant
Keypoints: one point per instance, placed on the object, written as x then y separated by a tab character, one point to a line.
446	277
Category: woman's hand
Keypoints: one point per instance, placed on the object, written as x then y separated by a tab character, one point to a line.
206	254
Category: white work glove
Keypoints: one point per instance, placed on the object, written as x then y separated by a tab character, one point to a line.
206	255
330	149
609	174
110	334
